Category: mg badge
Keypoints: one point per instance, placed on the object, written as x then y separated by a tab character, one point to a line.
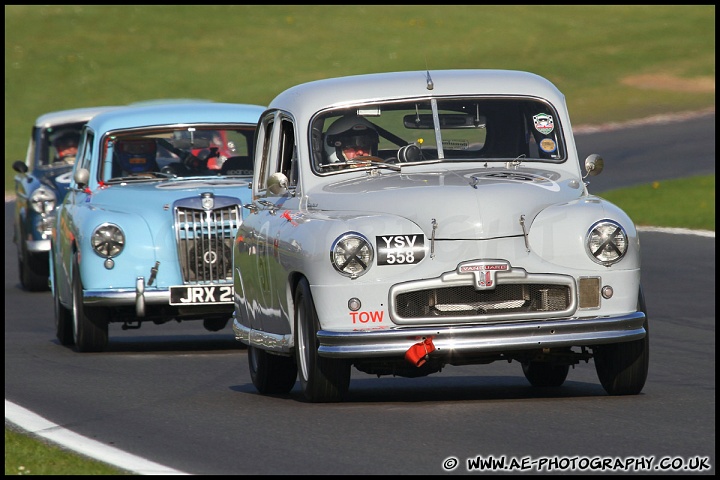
208	201
484	272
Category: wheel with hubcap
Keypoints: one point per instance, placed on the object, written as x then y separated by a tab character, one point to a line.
63	321
622	367
63	317
322	379
90	325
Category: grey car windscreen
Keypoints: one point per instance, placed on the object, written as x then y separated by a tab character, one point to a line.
431	130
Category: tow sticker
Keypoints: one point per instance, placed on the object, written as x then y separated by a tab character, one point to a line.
400	249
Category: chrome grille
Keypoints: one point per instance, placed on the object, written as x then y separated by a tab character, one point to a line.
465	300
204	241
453	298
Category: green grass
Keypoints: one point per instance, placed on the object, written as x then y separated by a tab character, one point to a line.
26	455
59	57
683	203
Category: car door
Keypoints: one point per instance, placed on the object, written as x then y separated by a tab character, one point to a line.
253	283
67	216
282	205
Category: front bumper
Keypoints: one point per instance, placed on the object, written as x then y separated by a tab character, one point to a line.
497	337
140	297
126	296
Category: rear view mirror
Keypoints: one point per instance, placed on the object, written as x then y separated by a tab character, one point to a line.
594	164
447	120
185	144
277	183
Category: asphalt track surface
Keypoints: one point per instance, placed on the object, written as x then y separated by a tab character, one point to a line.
634	153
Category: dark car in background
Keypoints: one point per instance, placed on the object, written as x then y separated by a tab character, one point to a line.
40	185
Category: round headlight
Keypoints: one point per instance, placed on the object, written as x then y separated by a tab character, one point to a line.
606	242
351	254
43	200
108	240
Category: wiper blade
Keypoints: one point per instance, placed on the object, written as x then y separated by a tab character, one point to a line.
141	177
392	166
368	161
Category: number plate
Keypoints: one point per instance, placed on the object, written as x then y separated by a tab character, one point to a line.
201	295
400	249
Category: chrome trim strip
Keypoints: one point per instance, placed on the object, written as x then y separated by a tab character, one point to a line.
267	341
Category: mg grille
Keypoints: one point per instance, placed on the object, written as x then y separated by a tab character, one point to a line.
205	240
465	301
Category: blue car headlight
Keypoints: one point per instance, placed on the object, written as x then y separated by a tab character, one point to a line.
108	240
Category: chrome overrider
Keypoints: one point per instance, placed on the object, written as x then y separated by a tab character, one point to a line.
140	296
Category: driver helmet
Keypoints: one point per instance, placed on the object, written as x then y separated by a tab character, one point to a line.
137	155
349	131
65	144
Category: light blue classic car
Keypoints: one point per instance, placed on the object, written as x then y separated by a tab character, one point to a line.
40	184
405	221
146	229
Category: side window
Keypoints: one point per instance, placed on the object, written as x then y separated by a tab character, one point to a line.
288	152
33	147
265	151
84	151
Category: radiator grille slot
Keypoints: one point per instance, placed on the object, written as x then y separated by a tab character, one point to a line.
204	241
459	301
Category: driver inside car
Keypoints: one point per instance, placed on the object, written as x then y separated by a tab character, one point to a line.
65	145
350	137
135	156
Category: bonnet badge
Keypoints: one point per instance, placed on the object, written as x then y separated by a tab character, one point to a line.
208	201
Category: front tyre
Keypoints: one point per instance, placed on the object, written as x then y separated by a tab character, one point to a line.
543	374
622	367
215	324
271	374
63	319
33	272
321	379
90	325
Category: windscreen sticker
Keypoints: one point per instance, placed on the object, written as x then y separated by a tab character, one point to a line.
544	123
548	145
400	249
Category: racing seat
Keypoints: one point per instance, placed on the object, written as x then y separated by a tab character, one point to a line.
239	165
